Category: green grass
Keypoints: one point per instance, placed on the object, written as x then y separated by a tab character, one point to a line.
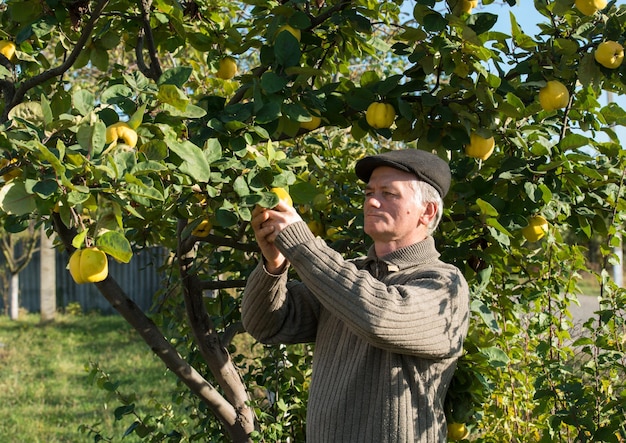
589	285
44	377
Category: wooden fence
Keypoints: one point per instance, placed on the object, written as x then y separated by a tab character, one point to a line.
140	279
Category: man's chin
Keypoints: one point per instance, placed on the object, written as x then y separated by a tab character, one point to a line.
373	231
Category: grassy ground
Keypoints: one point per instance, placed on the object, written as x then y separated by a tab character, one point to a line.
46	392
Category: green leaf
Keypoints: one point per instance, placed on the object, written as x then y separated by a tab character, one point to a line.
268	200
116	245
303	192
15	199
584	225
79	239
287	50
295	112
172	95
212	150
498	232
131	428
136	80
116	94
546	193
482	22
155	150
272	82
486	208
140	190
45	188
14	224
496	357
573	141
99	58
435	22
83	101
123	161
46	111
190	111
225	218
30	112
137	118
176	76
493	222
121	411
581	341
92	138
369	78
241	187
299	20
518	35
269	112
194	162
613	113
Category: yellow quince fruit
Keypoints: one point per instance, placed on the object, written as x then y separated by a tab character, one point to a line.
7	48
480	147
290	29
380	115
227	68
457	431
316	227
123	131
590	7
203	229
89	265
609	54
12	173
536	229
459	7
554	95
312	124
283	195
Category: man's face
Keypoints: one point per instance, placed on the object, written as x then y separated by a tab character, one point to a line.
391	210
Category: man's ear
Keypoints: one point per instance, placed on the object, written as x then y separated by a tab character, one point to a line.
430	212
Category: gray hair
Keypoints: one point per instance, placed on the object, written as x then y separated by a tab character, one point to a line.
425	193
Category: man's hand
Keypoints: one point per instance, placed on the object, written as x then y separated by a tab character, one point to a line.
267	224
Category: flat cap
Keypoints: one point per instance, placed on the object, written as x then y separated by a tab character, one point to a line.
427	167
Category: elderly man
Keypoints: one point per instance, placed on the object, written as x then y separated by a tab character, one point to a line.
388	328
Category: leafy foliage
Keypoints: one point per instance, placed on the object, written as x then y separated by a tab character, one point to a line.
212	148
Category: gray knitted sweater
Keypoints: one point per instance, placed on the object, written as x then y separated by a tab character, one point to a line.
387	332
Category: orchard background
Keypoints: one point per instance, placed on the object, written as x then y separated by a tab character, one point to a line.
200	149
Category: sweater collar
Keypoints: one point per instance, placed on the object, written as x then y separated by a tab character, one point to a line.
412	255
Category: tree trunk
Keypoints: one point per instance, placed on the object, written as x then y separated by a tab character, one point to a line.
618	267
14	290
47	278
238	429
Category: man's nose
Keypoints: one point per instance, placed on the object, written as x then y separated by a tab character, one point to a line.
371	200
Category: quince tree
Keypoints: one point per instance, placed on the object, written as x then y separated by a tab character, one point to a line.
191	146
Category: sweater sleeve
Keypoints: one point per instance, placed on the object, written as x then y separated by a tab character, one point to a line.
274	311
425	314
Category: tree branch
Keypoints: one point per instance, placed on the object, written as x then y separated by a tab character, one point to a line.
145	70
154	71
59	70
225	284
188	243
230	332
208	341
8	90
153	337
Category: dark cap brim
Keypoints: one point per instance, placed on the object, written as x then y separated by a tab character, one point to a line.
425	166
